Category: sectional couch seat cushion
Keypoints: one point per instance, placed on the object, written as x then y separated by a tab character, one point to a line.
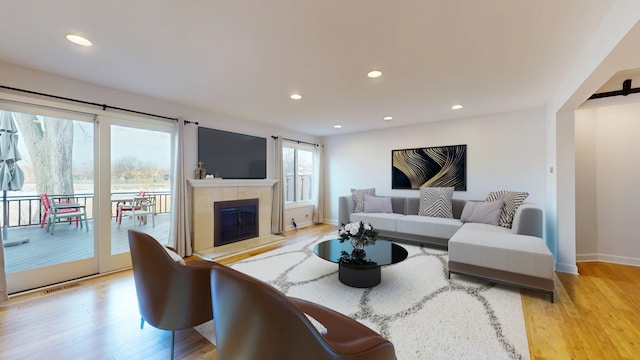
502	256
382	221
504	251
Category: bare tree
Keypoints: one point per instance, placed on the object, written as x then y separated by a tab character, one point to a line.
49	142
125	167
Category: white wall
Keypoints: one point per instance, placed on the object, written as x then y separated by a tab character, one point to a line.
612	47
586	184
608	183
565	242
504	152
28	79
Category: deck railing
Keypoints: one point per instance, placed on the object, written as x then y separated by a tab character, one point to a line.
26	210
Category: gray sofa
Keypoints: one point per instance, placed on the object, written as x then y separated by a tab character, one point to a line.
517	256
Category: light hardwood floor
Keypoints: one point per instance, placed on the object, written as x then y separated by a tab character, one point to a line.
596	316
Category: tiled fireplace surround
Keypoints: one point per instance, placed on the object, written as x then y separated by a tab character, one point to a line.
205	192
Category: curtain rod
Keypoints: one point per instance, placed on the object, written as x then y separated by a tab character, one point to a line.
296	141
626	90
103	106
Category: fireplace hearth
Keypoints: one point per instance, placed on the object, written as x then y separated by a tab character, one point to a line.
235	220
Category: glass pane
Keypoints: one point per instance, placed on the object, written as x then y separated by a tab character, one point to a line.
47	205
305	175
140	184
289	168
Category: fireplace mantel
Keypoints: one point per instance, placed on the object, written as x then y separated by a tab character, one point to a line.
205	183
205	192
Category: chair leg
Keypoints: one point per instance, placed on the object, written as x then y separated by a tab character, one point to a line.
173	342
52	222
45	217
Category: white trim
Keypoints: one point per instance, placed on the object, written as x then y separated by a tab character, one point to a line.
44	110
587	257
567	268
299	204
615	259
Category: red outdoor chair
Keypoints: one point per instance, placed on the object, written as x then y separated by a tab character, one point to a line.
123	206
46	205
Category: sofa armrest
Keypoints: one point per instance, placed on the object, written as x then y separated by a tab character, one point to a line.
345	208
528	220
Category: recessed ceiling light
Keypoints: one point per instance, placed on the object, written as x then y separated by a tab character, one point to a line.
457	107
374	74
337	126
80	40
387	118
295	96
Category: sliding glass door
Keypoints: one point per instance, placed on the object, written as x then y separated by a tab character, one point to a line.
78	183
140	178
48	183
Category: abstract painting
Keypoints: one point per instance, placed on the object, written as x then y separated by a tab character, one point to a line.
440	166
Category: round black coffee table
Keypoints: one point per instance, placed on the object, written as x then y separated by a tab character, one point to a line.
360	268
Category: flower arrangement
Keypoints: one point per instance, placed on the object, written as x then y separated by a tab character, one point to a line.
359	233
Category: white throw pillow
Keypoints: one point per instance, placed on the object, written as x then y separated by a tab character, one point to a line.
358	198
482	212
174	256
377	204
436	202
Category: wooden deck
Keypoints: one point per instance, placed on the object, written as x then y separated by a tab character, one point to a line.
70	243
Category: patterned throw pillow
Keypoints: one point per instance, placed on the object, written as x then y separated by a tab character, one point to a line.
512	200
358	198
436	202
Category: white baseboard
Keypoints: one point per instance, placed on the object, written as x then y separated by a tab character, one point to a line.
567	268
615	259
587	257
331	221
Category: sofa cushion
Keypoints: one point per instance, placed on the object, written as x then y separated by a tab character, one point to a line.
436	202
485	212
512	200
377	204
436	227
379	221
521	254
358	198
486	227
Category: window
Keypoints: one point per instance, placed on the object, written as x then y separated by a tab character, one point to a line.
297	165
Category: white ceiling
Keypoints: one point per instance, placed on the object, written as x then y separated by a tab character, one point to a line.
243	58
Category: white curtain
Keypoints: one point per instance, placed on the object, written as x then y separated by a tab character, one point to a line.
180	232
318	211
3	274
277	207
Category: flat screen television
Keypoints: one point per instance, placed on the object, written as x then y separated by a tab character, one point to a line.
231	155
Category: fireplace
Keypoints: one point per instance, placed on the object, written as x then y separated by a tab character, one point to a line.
235	220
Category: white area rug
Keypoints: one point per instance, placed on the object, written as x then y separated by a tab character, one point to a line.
424	314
